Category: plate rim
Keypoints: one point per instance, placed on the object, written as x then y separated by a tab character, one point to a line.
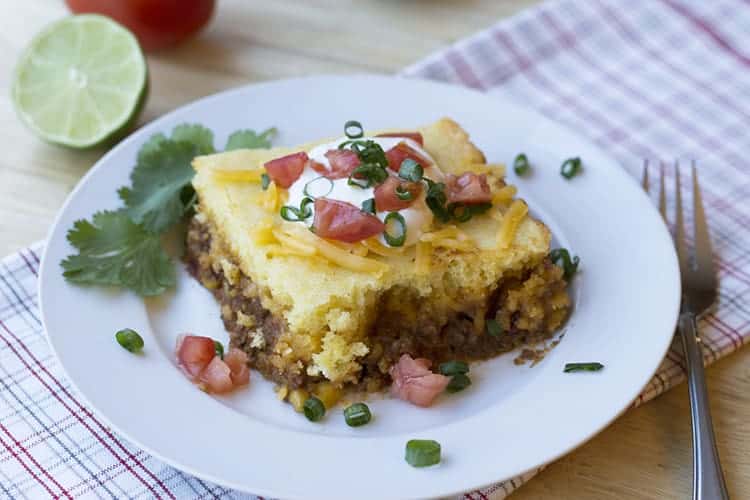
153	126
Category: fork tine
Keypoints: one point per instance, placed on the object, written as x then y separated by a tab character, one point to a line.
679	236
662	193
644	178
703	254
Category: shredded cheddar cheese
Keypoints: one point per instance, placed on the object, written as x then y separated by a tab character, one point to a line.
449	231
423	258
463	246
292	243
251	175
263	232
354	248
510	222
449	237
493	169
271	198
280	250
504	195
333	253
374	246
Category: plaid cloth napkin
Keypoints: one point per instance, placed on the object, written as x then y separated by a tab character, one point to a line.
643	79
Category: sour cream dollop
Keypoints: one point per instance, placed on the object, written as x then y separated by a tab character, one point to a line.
417	216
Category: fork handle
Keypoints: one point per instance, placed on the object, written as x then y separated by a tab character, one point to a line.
708	480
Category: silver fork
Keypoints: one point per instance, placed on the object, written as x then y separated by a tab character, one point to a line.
699	285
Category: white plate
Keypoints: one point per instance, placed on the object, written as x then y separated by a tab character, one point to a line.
512	419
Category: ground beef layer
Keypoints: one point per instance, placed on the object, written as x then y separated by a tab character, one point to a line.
529	307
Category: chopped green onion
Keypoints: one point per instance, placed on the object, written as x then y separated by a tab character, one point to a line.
367	175
435	199
521	164
570	167
357	414
582	367
265	181
294	214
422	452
411	170
463	212
403	194
368	206
219	349
494	328
453	368
368	152
313	409
459	382
353	124
570	266
318	187
129	339
395	241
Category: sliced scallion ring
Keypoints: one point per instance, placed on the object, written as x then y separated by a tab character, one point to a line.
411	170
521	164
400	238
318	187
403	194
368	206
422	452
294	214
570	167
582	367
353	129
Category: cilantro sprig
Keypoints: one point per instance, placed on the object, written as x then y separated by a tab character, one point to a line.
123	247
113	250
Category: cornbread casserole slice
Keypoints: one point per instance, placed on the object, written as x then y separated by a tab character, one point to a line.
318	314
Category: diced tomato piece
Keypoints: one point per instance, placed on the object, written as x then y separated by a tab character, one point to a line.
343	162
468	188
217	376
414	136
386	198
194	353
414	382
342	221
400	152
236	360
287	169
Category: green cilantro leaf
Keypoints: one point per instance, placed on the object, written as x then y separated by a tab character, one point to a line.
200	136
158	197
152	144
249	139
112	250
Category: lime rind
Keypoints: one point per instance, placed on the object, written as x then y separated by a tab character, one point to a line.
81	82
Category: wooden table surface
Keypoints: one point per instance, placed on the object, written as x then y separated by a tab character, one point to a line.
644	454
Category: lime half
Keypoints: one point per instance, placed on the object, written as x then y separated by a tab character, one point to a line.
81	82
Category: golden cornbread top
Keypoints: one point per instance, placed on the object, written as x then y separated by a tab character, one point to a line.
314	294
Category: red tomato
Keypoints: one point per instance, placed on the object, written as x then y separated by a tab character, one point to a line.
386	198
343	162
342	221
194	353
236	360
468	188
400	152
156	23
414	382
217	376
287	169
414	136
